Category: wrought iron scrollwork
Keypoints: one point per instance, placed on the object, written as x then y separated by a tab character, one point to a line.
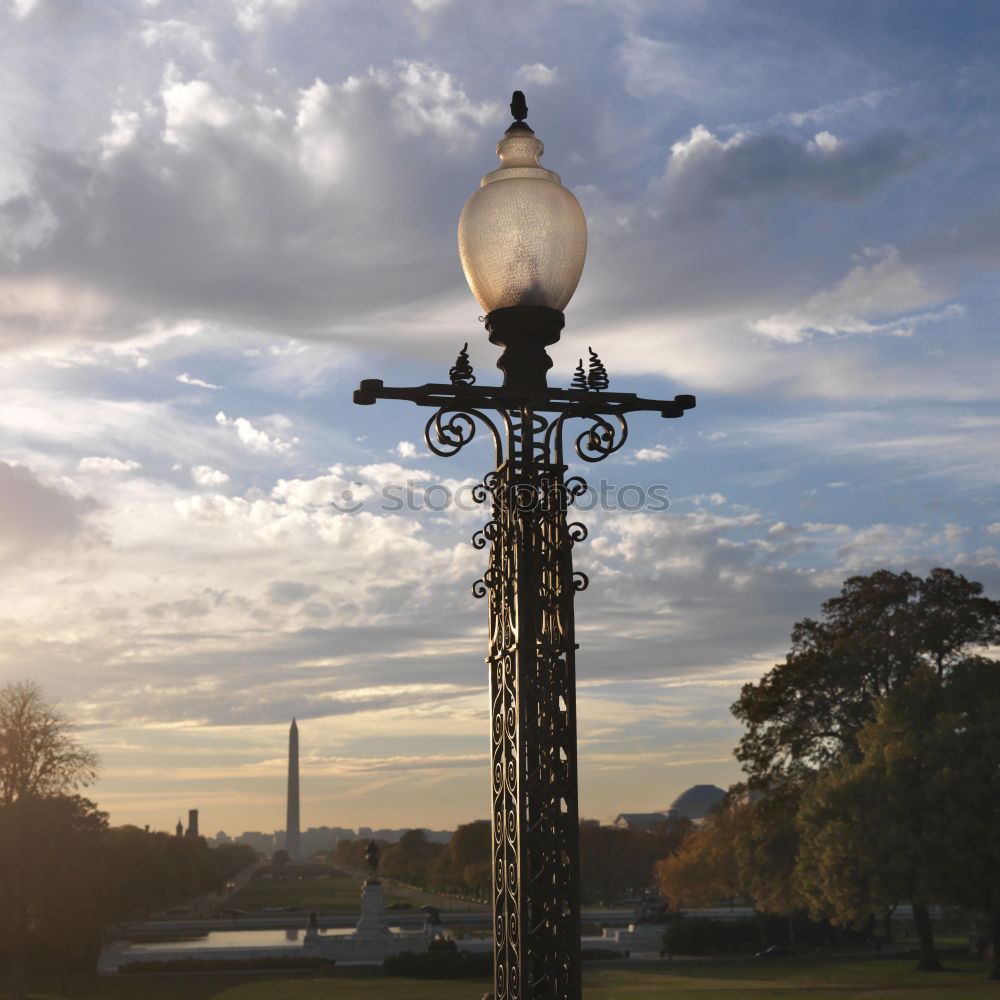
451	428
602	438
448	432
485	535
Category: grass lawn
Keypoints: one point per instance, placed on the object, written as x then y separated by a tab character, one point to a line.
787	979
332	891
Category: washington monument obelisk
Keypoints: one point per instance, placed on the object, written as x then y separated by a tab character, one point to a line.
292	819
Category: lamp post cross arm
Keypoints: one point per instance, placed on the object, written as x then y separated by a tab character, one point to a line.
567	401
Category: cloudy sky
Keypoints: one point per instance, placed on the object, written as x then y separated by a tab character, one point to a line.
216	218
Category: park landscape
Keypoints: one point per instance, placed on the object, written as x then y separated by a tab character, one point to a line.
871	755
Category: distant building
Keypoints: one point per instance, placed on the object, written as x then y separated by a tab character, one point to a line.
321	839
693	804
262	843
179	830
696	803
192	830
639	821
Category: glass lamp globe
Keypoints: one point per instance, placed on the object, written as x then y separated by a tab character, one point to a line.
522	237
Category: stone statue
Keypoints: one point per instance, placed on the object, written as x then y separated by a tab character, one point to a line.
371	857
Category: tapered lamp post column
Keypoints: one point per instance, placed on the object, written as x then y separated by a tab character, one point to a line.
522	241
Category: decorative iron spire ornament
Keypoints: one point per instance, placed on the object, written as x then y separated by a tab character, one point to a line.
461	372
579	377
597	376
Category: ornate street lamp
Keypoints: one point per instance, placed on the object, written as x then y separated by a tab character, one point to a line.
522	240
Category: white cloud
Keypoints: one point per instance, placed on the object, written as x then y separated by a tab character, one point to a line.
836	109
107	466
178	35
994	528
191	380
825	142
22	8
948	536
194	106
317	491
820	527
781	529
205	475
430	99
715	499
879	285
700	145
704	172
880	544
252	15
536	73
405	449
322	146
124	128
657	453
254	439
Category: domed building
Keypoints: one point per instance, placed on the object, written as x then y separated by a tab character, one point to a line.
696	802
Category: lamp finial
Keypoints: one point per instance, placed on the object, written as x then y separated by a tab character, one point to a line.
518	106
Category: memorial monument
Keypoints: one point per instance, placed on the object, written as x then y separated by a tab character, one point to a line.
292	816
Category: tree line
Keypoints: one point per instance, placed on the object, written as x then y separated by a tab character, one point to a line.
65	873
613	862
872	762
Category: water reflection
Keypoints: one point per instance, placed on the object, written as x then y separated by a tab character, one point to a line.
244	939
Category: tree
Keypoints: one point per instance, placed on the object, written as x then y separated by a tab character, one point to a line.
874	830
38	757
806	715
59	894
470	844
745	849
765	842
40	764
466	864
705	870
477	877
969	764
615	861
409	859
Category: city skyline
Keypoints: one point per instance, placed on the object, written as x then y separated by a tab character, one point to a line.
217	218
